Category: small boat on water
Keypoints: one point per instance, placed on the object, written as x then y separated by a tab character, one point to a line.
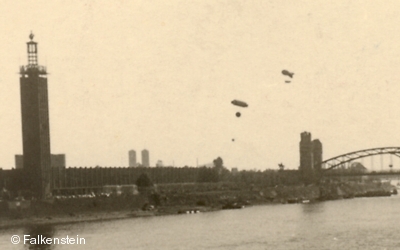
232	206
292	200
189	211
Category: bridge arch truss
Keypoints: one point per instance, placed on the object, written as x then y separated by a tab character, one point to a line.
349	157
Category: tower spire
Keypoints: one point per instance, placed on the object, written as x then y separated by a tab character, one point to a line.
32	67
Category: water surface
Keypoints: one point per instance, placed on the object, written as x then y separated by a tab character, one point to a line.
363	223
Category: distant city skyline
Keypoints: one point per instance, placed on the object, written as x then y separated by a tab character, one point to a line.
162	76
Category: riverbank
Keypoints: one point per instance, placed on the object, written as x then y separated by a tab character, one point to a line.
171	199
25	221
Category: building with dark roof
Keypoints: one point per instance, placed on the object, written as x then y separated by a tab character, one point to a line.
56	161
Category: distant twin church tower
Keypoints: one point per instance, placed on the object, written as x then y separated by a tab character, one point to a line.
35	123
145	158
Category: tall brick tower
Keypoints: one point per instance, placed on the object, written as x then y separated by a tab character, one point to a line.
35	124
310	157
305	151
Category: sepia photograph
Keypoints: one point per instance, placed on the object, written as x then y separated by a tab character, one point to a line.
205	124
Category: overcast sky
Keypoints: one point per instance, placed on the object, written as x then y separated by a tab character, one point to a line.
161	75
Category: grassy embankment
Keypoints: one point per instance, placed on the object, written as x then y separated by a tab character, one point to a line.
175	198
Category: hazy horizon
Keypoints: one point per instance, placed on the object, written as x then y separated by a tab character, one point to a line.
161	76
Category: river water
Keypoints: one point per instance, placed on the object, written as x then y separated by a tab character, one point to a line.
362	223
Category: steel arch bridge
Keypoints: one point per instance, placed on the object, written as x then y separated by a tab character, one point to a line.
344	158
